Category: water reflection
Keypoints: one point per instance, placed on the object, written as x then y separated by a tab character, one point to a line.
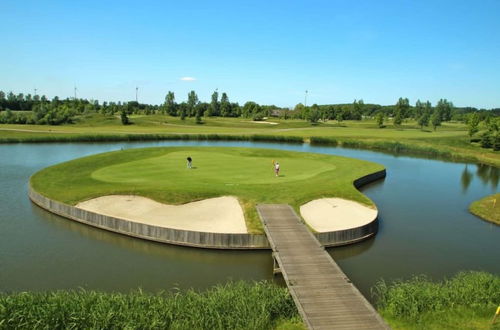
488	175
349	251
466	179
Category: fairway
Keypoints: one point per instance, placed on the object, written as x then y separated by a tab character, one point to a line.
246	173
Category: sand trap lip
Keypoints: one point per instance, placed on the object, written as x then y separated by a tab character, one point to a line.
214	215
332	214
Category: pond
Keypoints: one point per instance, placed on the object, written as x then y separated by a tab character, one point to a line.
425	228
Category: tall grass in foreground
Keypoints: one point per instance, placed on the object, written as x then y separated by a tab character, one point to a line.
419	303
239	305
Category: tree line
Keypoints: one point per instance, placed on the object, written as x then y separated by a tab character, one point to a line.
36	109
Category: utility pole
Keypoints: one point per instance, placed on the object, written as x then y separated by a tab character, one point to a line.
35	91
136	90
305	100
75	93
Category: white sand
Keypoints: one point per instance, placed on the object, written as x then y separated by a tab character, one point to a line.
330	214
214	215
260	122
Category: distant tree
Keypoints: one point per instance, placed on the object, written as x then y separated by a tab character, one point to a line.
339	116
419	110
436	119
445	109
314	114
191	103
423	120
200	110
170	106
357	110
403	107
124	118
182	110
398	118
473	124
225	106
249	109
380	119
214	105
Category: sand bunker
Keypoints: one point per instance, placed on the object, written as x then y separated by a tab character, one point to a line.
260	122
331	214
214	215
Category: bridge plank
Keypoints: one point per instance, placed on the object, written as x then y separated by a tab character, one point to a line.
324	295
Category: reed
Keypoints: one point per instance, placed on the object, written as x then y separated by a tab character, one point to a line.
410	300
236	305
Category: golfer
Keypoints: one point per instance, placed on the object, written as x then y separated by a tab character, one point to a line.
277	168
190	162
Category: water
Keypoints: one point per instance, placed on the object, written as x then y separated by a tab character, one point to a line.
425	228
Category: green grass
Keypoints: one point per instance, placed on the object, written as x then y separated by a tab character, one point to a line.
161	174
467	301
450	141
487	208
238	305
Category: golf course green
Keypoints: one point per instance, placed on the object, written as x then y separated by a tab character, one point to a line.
247	173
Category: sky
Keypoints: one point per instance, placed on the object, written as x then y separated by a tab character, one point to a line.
269	52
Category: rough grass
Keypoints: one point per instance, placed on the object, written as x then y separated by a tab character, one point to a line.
238	305
487	208
161	174
449	141
466	301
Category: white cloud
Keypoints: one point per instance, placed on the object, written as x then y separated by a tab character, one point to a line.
188	79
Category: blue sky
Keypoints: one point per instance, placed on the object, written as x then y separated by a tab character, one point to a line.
266	51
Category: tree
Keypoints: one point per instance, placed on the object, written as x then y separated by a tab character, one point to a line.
214	104
191	103
170	106
473	124
183	109
398	118
380	119
423	120
225	106
419	110
124	117
357	110
444	107
200	110
340	115
249	109
314	114
403	106
436	119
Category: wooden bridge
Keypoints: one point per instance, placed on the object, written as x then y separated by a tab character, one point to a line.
325	297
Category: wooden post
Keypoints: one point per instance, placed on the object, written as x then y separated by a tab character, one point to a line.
276	266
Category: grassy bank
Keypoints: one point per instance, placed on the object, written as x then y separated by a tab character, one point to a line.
161	174
487	208
450	141
467	301
239	305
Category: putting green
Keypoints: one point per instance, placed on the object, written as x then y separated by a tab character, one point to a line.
161	174
212	168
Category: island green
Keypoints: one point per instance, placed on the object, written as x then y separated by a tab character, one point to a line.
247	173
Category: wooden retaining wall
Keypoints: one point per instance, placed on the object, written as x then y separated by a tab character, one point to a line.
353	235
196	238
152	233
